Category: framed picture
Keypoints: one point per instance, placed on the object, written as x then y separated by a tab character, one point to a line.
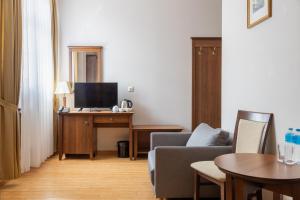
258	11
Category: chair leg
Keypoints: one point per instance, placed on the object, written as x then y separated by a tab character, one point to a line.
222	191
259	194
196	186
277	196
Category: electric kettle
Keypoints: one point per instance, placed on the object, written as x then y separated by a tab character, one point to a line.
126	104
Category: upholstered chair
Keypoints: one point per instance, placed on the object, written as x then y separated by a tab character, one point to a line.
251	131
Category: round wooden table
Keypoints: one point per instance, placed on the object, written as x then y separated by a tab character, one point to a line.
258	170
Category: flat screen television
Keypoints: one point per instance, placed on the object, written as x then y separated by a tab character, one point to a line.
96	95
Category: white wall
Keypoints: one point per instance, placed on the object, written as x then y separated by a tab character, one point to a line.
261	66
146	44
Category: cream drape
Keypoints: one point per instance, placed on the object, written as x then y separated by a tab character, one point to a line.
54	34
10	72
37	84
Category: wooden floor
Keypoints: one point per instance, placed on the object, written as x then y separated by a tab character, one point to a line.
107	177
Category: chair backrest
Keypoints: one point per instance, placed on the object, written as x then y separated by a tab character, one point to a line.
251	131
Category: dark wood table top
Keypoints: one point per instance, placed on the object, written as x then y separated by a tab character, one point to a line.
158	127
258	167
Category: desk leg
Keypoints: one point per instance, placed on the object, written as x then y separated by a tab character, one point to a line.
229	187
130	139
60	156
130	145
59	137
135	141
91	156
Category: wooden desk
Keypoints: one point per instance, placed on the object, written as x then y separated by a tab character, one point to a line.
141	134
77	132
260	171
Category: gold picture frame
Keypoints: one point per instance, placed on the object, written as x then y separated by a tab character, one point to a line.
258	11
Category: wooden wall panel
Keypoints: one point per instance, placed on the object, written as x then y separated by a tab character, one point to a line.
206	82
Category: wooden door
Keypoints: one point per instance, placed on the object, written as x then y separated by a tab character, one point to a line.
78	134
206	106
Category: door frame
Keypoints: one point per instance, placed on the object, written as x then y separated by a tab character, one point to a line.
200	42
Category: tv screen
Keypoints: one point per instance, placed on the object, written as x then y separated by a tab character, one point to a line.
96	95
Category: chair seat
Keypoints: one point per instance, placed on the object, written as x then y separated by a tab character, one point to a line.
208	168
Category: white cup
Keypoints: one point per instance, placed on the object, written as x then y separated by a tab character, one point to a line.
115	109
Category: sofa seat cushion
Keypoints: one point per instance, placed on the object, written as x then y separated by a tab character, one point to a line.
208	168
204	135
151	164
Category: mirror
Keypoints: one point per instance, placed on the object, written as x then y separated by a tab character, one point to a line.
85	64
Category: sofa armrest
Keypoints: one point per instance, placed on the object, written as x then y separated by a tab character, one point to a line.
168	139
172	167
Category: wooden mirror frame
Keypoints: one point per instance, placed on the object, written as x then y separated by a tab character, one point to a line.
96	49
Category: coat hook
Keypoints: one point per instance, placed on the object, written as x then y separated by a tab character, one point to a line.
200	52
214	51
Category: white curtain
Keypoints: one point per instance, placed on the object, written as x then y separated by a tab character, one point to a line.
37	84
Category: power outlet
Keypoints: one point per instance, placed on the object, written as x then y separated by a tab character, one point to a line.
130	88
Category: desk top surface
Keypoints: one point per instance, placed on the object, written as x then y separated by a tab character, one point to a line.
257	167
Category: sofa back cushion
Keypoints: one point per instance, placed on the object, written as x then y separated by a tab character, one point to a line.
204	135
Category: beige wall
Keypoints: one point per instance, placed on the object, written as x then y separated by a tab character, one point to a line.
146	44
261	66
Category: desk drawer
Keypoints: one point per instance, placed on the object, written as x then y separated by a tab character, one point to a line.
111	119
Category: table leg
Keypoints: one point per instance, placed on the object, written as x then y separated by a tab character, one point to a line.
240	189
229	187
196	186
296	191
135	141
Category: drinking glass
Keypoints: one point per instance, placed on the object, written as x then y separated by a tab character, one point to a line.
289	154
280	152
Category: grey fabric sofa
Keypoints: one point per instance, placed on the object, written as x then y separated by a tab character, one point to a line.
169	163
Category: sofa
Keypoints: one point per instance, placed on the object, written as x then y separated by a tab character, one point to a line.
169	161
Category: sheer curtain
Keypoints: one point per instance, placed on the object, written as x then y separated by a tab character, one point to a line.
37	84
